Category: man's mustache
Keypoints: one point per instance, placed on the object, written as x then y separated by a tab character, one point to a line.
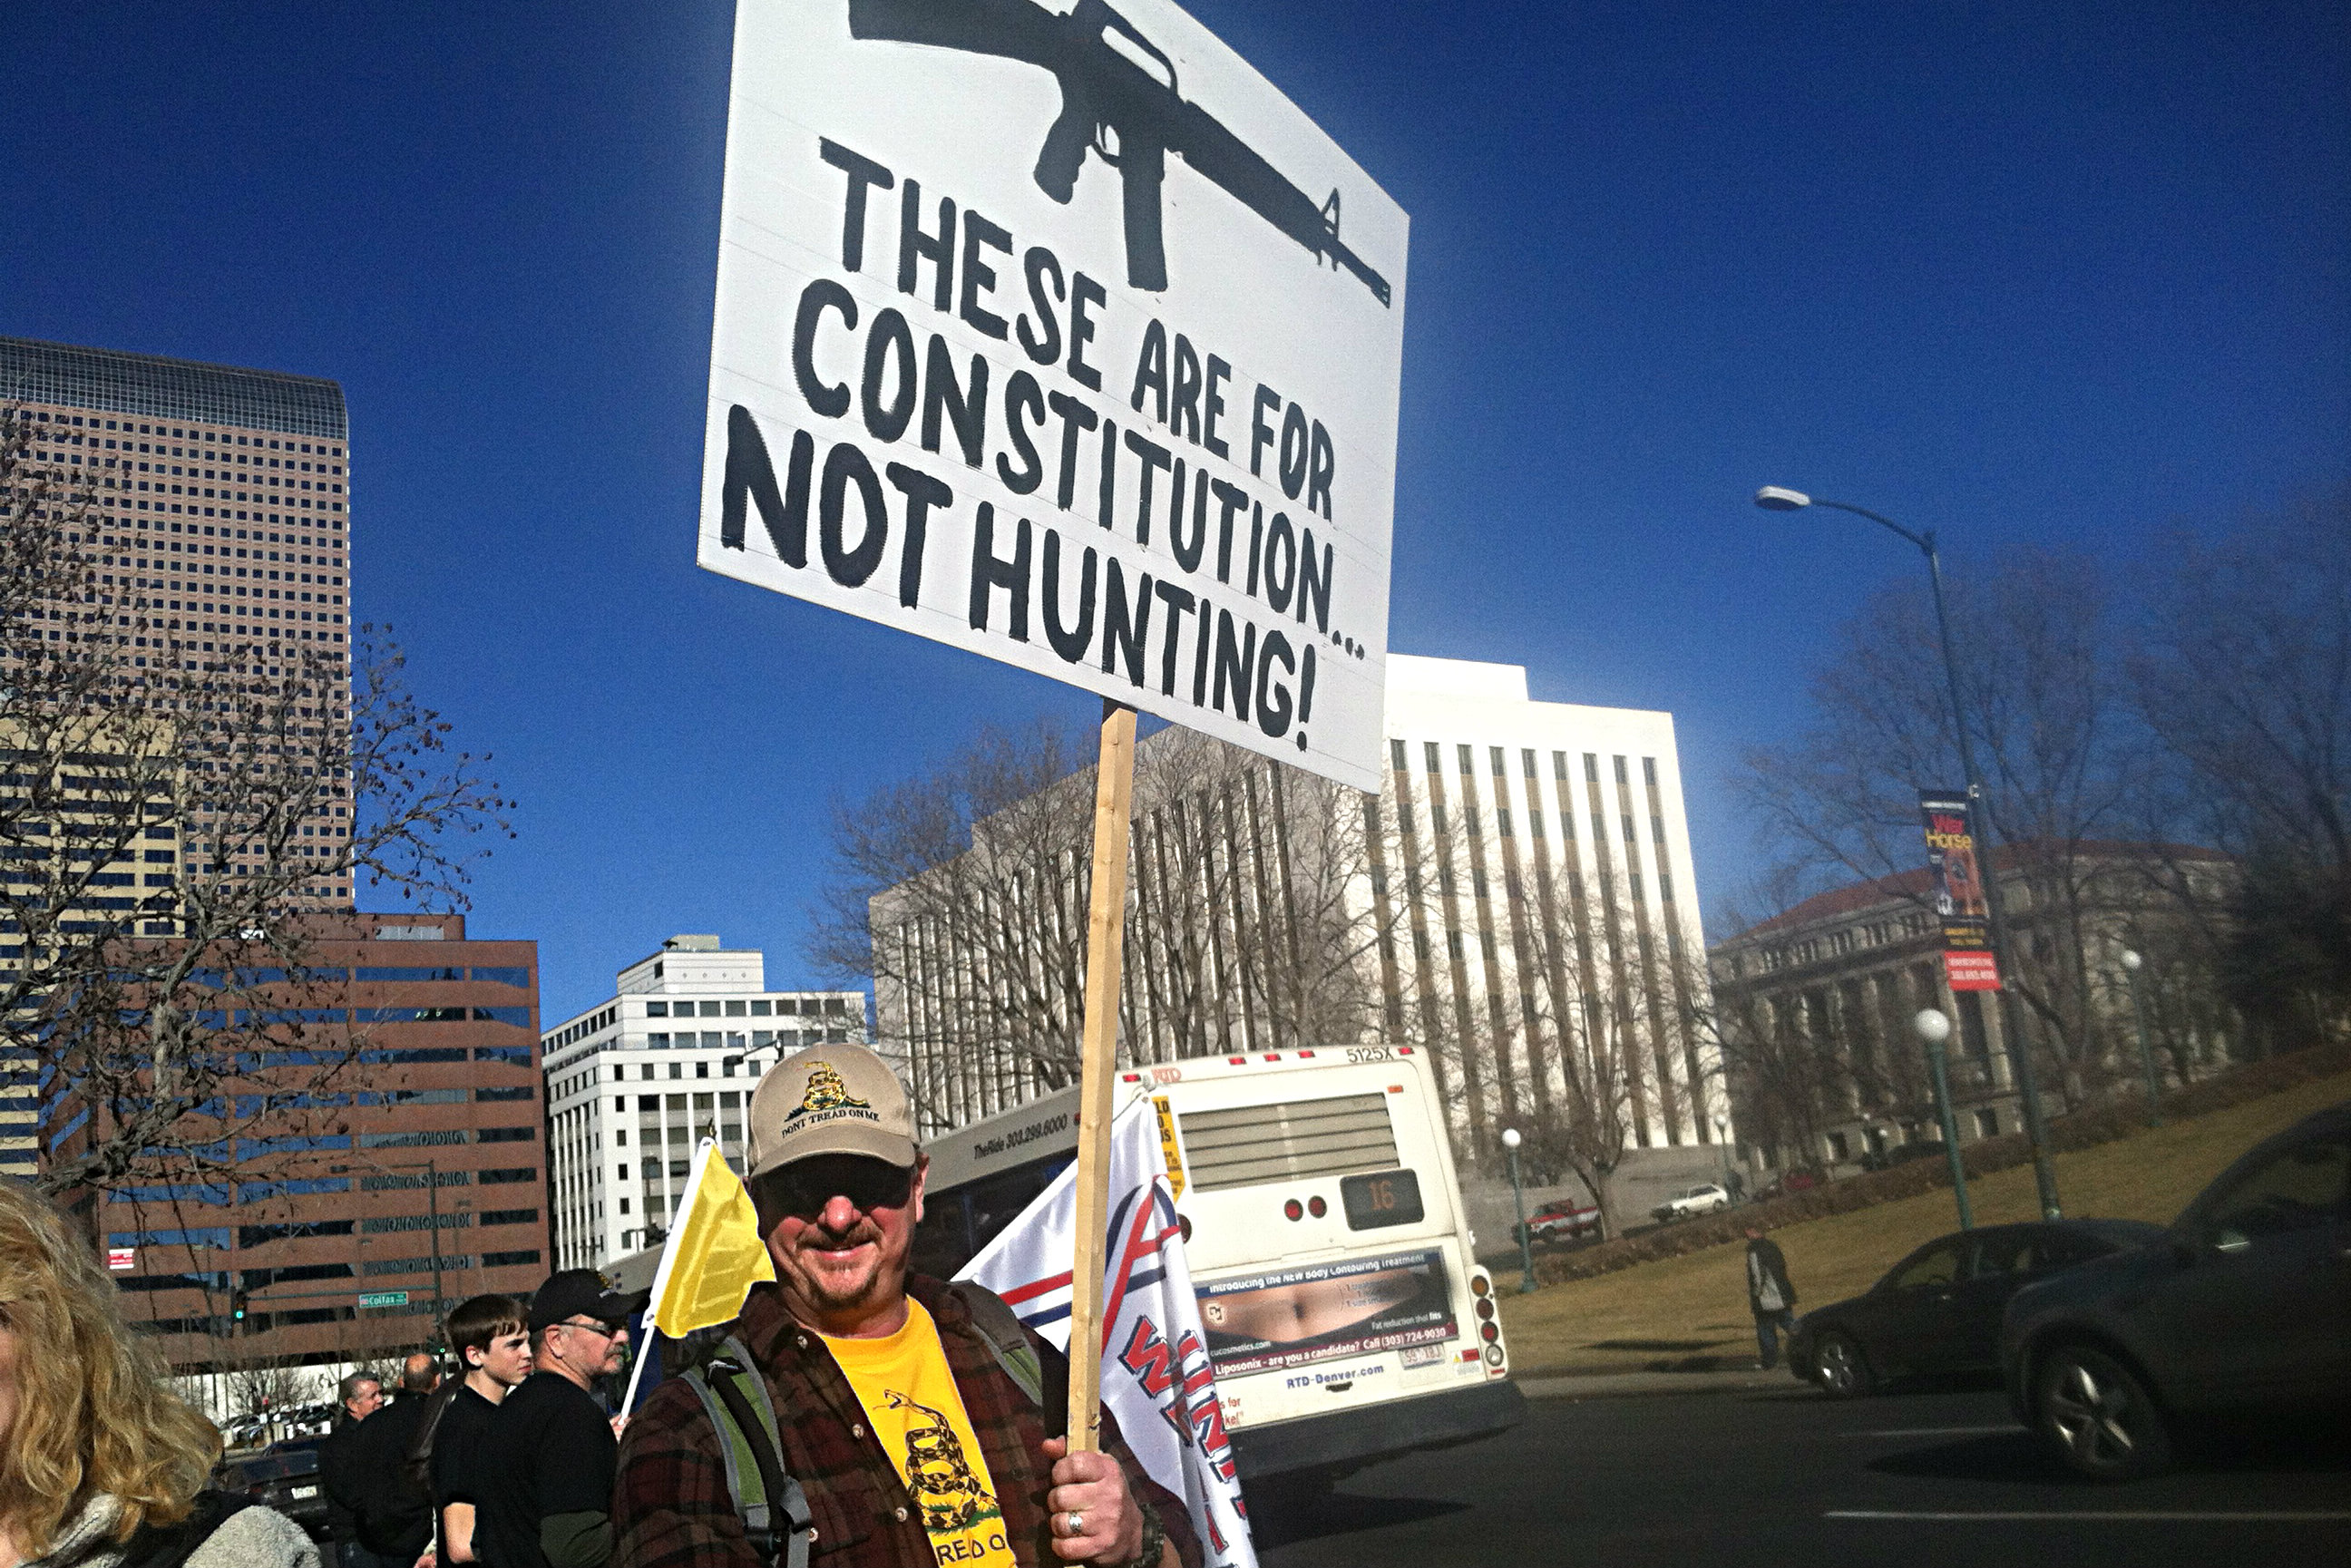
857	1235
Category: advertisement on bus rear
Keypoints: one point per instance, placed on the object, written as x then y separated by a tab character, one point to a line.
1358	1306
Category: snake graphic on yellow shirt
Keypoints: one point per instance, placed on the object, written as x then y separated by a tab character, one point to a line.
938	1475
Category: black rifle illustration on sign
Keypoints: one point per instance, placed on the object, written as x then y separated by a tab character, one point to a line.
1099	58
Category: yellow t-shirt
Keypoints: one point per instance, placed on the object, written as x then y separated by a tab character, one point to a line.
910	1397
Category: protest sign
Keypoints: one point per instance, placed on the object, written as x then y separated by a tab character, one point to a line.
1040	334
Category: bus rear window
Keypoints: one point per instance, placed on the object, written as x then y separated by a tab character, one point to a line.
1255	1144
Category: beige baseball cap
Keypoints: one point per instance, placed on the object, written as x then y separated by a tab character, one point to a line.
829	1099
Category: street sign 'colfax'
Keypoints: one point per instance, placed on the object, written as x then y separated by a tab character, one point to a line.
1038	333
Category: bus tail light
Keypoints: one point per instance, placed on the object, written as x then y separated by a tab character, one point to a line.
1494	1356
1293	1209
1317	1208
1489	1331
1485	1309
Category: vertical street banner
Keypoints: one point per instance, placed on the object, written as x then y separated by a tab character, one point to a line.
1958	890
1057	334
1158	1377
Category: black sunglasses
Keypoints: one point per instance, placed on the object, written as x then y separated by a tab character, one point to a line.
802	1191
607	1327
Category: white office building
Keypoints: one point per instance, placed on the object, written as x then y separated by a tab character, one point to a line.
1518	900
634	1082
1541	861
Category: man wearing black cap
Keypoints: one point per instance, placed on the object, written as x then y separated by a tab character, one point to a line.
547	1455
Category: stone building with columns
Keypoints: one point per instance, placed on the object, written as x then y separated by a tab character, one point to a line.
1814	1006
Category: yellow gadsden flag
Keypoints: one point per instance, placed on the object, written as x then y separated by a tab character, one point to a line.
714	1253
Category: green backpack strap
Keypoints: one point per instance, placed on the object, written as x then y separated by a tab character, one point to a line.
1000	1327
775	1510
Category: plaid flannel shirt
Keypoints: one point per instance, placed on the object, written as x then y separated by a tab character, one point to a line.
670	1508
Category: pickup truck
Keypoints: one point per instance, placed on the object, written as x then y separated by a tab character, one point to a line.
1561	1221
1704	1198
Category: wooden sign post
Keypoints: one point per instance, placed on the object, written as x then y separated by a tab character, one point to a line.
1105	950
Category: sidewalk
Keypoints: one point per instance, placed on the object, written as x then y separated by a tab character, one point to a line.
1625	1385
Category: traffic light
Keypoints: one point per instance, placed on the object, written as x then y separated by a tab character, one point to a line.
237	1304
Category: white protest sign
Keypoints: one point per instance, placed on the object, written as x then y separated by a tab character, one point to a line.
1038	333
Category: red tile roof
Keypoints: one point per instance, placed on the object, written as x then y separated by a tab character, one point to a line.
1911	886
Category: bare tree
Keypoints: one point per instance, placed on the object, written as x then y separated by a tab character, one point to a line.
963	896
2243	673
2057	741
175	827
1589	1023
1534	983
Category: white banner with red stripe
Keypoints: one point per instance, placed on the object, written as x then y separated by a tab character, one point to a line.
1155	1374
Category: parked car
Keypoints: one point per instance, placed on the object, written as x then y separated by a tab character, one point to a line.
283	1476
1557	1222
1938	1310
1704	1198
2246	1306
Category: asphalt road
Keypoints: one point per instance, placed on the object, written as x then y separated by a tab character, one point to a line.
1941	1478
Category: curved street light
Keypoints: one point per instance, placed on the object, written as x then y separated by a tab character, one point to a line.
1780	499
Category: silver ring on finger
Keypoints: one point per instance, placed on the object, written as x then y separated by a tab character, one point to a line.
1077	1523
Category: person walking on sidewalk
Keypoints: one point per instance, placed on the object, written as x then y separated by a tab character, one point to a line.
1770	1296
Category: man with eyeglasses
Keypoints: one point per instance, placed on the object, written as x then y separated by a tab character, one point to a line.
547	1455
913	1443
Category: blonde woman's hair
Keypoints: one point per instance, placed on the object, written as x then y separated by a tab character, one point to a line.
95	1409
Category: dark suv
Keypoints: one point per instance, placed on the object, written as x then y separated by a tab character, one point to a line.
2245	1305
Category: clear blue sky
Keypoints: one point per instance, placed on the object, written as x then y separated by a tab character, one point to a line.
2018	272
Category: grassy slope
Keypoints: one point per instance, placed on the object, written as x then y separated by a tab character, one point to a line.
1694	1308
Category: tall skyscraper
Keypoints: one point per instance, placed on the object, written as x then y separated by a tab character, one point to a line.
217	511
372	1151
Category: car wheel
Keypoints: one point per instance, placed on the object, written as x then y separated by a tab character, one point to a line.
1839	1367
2098	1416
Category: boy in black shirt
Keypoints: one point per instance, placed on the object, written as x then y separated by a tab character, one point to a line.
547	1461
492	1339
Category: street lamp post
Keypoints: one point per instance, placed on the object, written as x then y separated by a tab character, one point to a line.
1776	498
1511	1141
433	1213
1722	1138
2131	963
1934	1029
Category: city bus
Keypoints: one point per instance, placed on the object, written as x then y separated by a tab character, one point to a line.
1346	1315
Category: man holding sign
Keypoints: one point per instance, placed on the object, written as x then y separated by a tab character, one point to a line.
898	1402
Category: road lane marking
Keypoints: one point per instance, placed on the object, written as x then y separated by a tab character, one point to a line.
2134	1516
